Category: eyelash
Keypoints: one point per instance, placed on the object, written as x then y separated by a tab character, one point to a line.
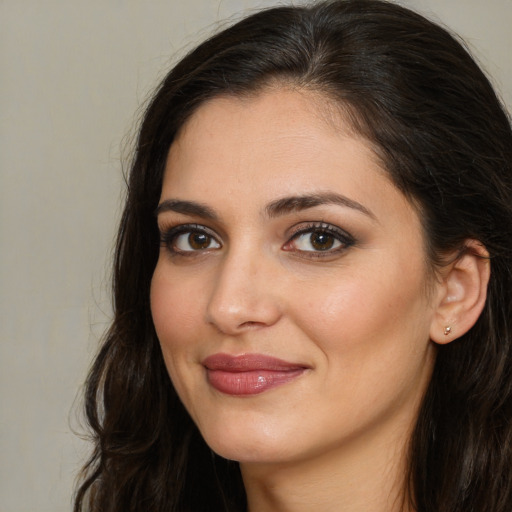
344	239
169	237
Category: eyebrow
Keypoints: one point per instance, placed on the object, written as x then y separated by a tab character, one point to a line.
274	209
186	208
298	203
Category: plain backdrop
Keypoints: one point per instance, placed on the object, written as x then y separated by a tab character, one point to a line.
73	77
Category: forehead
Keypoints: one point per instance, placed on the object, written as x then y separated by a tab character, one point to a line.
282	135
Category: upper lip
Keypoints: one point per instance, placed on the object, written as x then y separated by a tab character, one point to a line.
249	362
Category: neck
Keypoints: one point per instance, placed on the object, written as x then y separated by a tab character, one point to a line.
367	475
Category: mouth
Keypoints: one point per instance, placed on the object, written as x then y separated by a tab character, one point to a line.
249	374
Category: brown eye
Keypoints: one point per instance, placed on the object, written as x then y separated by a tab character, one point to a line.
321	240
198	241
316	240
190	241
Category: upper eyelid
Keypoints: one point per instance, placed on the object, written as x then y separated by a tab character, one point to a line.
170	235
345	239
168	224
297	229
170	232
302	227
189	226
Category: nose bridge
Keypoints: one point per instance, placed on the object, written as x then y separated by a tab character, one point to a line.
244	292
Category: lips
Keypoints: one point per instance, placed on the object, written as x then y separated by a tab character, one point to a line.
249	374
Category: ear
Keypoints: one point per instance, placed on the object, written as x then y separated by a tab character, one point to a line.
462	293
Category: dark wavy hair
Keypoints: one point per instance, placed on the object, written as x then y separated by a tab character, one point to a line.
413	91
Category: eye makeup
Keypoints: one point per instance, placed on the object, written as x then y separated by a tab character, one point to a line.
318	240
315	239
188	240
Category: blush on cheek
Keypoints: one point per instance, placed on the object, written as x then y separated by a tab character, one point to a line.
170	307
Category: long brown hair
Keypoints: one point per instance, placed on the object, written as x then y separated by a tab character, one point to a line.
431	115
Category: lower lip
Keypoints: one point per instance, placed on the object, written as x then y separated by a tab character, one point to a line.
250	382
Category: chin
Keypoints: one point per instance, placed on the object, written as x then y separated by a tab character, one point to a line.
248	445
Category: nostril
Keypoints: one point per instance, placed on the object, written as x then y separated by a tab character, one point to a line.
251	324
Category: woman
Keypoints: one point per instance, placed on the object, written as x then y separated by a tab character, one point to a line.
316	249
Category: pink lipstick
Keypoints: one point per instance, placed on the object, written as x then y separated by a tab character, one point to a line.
249	374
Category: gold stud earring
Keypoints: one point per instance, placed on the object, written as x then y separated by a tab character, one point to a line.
447	330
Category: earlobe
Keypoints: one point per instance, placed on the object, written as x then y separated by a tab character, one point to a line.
462	293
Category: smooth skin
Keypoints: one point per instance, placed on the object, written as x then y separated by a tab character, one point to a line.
282	235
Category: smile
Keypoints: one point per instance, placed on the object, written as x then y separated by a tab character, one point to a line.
249	374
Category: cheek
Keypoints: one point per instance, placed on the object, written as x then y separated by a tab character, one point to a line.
176	315
174	305
374	344
367	315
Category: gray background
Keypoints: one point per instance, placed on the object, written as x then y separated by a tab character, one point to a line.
72	77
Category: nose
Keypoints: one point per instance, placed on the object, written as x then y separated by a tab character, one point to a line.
245	294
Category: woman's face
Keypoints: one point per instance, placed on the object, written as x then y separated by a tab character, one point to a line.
290	295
